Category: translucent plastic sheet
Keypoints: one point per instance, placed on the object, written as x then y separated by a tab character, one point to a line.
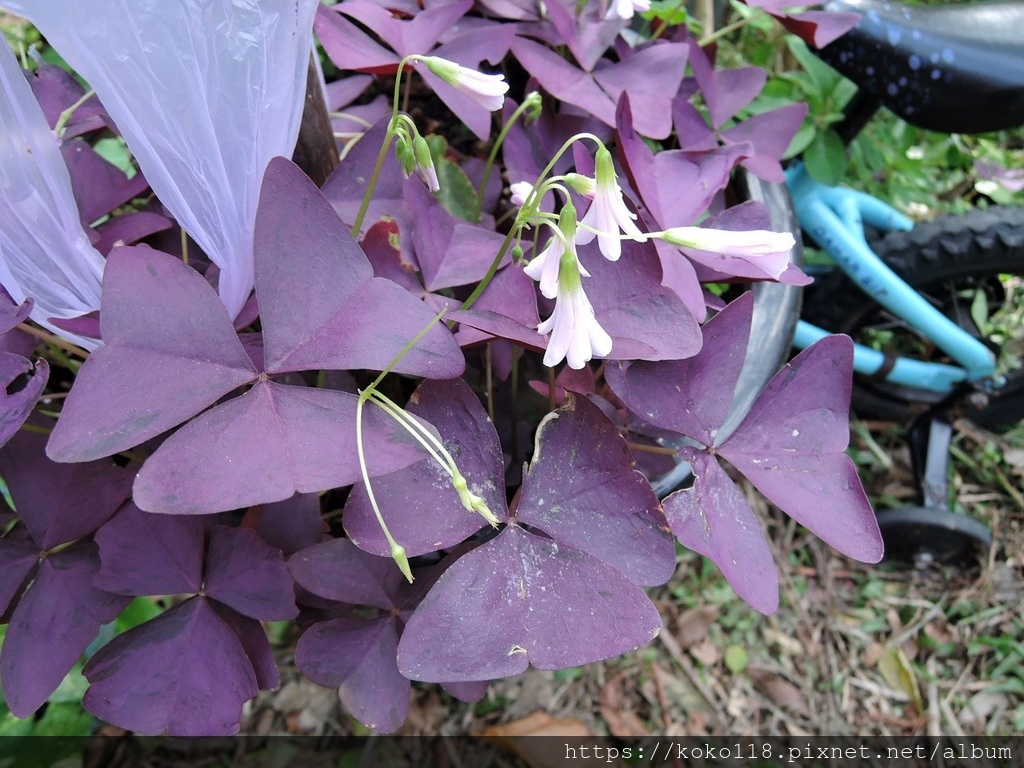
205	92
44	251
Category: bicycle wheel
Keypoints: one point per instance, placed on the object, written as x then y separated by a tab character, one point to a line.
972	268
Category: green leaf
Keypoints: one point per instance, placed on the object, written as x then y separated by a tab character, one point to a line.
138	611
457	194
736	658
825	157
115	151
825	78
801	139
65	720
979	310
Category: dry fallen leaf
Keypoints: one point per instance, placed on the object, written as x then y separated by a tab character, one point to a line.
515	736
896	670
706	653
780	691
692	626
621	722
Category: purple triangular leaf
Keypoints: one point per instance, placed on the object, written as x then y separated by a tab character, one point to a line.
449	252
347	185
15	407
99	186
691	396
725	91
165	324
419	504
770	133
10	313
321	305
791	443
56	89
249	575
60	502
268	444
582	490
17	559
646	320
714	519
348	47
146	554
651	77
357	656
56	618
339	570
407	36
253	638
292	524
519	600
469	692
184	674
128	229
470	50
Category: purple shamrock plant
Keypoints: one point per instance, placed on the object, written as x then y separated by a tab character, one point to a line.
322	407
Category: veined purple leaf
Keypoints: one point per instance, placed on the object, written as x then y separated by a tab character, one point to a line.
54	622
357	656
469	692
12	313
818	28
147	554
658	179
184	673
510	294
646	320
270	443
691	396
292	524
791	443
232	109
56	89
59	503
18	558
348	46
162	322
714	519
98	185
17	406
248	575
770	134
128	229
419	503
651	78
470	49
343	318
584	29
518	600
341	571
449	252
581	489
253	639
44	252
725	91
348	182
405	36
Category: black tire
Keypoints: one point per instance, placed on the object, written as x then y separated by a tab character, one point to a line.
940	259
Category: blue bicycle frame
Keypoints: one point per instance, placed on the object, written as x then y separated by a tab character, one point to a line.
834	217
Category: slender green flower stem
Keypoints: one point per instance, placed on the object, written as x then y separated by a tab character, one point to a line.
65	116
527	104
716	35
371	184
532	201
397	550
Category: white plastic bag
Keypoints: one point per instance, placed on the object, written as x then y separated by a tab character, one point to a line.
205	93
44	251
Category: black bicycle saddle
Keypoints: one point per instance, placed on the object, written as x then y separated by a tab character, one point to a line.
953	68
